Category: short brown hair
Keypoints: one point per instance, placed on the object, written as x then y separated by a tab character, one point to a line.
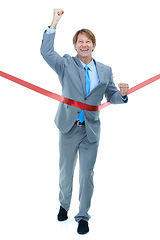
88	33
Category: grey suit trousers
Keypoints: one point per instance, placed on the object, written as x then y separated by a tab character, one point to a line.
70	144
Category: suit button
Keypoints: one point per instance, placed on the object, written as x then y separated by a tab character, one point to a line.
78	112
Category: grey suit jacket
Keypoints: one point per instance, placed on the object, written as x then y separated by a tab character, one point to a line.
72	78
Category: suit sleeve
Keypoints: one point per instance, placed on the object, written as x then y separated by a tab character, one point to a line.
54	60
112	94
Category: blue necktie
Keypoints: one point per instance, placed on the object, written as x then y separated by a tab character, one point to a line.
87	80
87	86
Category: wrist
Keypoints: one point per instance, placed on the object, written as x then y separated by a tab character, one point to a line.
53	25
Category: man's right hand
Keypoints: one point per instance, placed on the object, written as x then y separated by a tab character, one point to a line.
56	17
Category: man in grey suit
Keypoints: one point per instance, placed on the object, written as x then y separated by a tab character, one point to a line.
85	80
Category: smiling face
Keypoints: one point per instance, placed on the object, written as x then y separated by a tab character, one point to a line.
84	47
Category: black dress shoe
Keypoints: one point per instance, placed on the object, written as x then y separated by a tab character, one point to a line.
83	227
62	215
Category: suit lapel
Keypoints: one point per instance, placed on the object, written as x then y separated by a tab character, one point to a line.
100	71
81	73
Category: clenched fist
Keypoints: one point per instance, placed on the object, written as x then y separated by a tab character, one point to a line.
123	88
56	17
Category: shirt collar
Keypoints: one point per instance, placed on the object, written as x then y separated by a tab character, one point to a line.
90	65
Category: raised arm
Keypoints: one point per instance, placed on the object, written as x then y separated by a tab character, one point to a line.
54	60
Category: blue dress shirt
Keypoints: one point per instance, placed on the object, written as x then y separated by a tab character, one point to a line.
93	74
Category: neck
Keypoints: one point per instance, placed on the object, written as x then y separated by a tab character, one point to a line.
85	60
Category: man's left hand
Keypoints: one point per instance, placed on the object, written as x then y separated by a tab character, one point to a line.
123	88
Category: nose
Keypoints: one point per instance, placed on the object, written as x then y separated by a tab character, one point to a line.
84	45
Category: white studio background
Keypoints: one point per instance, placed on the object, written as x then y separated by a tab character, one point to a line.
125	203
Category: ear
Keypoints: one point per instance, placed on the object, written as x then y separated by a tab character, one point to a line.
75	47
93	47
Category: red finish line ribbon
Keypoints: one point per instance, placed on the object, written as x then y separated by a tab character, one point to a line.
70	101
